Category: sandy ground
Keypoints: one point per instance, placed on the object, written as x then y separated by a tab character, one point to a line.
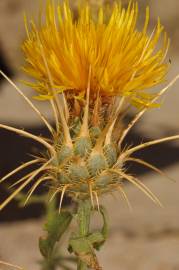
147	238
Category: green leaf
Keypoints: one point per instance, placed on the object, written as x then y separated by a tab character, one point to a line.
104	231
57	224
80	245
44	247
83	249
96	238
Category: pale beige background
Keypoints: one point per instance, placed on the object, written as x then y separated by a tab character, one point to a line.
147	238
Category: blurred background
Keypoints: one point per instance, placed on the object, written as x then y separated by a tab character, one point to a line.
146	238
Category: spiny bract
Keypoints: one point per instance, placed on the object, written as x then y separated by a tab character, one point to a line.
84	165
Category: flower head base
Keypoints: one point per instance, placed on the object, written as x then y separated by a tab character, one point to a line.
123	60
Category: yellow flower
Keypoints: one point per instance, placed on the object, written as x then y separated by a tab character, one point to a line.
124	61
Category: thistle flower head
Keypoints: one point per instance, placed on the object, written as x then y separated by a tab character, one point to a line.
124	61
91	70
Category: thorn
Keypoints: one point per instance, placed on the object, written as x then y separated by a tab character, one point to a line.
152	167
125	197
54	194
91	194
31	136
95	117
11	265
27	164
97	200
84	128
62	196
28	101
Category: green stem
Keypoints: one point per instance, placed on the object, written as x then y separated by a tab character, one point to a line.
48	262
81	265
51	208
83	216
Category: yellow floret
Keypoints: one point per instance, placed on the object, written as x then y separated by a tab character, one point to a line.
124	61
